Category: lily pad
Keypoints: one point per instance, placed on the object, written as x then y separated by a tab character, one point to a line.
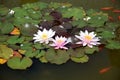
7	28
77	13
113	44
107	34
19	63
89	50
15	39
83	59
5	52
58	57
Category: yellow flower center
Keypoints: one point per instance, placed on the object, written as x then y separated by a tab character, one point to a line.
87	37
44	36
59	41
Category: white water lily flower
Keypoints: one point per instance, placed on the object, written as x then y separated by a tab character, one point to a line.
87	18
44	36
88	39
60	42
11	12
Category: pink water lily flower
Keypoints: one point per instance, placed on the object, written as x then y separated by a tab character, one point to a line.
87	39
44	36
60	42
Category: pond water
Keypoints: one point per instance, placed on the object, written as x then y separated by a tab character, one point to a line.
105	59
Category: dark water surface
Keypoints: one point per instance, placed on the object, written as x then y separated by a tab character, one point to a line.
70	70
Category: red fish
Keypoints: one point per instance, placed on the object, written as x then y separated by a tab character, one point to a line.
116	11
104	70
107	8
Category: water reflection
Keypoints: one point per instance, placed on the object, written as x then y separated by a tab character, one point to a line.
70	70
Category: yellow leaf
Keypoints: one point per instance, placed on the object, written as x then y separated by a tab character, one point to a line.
2	61
15	31
21	51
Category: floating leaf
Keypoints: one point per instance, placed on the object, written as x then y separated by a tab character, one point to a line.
20	12
40	53
113	44
19	63
2	61
43	59
89	50
83	59
38	45
30	54
58	57
26	46
7	28
5	52
15	31
77	13
3	11
107	34
79	23
98	19
15	39
78	52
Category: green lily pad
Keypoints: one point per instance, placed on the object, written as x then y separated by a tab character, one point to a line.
113	44
58	57
19	63
43	59
39	53
30	54
15	39
7	28
20	12
77	13
79	52
89	50
3	11
107	34
79	23
83	59
98	19
5	52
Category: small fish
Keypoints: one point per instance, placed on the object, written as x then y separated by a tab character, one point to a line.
107	8
116	11
104	70
15	31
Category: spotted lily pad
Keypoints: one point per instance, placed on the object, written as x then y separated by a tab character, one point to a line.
19	63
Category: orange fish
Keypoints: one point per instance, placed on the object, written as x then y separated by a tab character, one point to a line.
107	8
104	70
116	11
